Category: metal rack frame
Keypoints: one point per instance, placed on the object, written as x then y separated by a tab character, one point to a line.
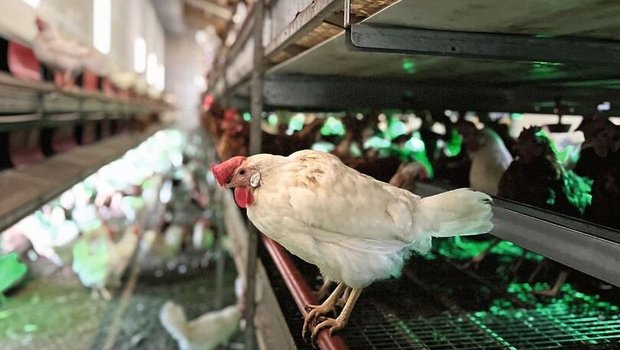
583	246
566	240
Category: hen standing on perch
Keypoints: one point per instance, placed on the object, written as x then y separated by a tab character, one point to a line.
356	229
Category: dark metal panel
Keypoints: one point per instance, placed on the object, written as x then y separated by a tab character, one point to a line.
514	47
302	92
585	247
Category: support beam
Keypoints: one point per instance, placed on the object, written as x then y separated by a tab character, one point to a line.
586	247
255	147
512	47
303	92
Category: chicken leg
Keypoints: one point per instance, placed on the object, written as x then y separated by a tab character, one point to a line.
476	260
341	321
317	310
324	290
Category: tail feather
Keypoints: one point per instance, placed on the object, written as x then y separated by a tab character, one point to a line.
459	212
173	319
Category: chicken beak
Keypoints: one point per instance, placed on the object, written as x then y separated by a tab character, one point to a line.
224	171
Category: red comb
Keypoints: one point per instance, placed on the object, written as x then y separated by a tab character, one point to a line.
224	171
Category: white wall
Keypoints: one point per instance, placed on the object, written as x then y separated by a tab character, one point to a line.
184	58
74	19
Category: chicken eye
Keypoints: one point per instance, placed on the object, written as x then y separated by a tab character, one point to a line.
242	172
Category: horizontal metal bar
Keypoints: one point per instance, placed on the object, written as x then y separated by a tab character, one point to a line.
586	247
21	187
513	47
307	92
299	289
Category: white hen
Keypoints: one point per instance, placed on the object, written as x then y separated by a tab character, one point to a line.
57	52
354	228
489	158
206	332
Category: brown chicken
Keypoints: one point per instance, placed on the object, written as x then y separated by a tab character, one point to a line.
600	161
233	140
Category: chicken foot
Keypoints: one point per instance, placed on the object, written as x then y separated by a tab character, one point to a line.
329	305
555	290
476	260
341	321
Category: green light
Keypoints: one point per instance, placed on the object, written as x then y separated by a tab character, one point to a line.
395	128
272	119
30	328
543	36
247	116
577	189
297	122
323	146
332	126
516	116
454	145
544	69
408	65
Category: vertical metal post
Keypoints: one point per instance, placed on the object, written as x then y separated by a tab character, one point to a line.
220	255
255	147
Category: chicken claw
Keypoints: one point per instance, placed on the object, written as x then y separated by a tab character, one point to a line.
324	322
318	310
341	321
324	290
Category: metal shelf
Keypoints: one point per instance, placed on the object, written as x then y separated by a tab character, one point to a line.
586	247
26	189
22	97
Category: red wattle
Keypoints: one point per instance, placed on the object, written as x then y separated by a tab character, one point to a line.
243	197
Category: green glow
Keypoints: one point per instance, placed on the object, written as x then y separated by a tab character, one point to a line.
516	116
454	145
297	122
247	116
30	328
544	69
395	128
377	142
11	271
332	126
272	119
417	150
408	65
323	146
577	189
543	36
463	249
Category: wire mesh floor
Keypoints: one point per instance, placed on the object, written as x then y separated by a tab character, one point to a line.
401	314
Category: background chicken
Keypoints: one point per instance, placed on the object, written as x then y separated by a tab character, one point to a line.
206	332
99	261
234	135
600	161
355	229
536	177
59	53
489	157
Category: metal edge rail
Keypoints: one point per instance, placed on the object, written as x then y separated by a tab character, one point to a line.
53	190
299	289
496	46
586	247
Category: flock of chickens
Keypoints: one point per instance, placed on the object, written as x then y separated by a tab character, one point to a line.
110	222
530	169
336	210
